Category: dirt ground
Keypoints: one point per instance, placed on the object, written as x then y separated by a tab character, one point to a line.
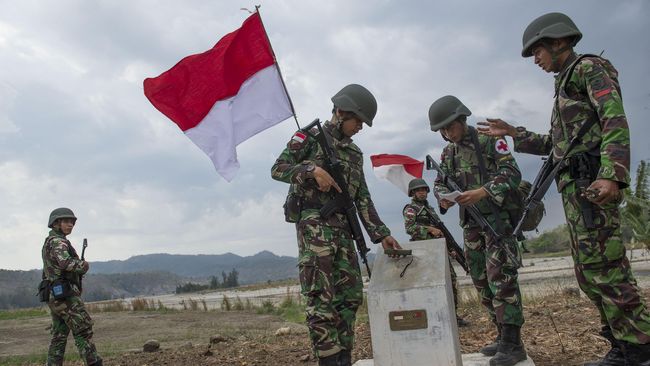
559	330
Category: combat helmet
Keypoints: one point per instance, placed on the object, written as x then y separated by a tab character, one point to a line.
551	25
358	100
417	183
445	111
60	213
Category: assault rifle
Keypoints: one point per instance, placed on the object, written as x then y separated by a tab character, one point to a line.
546	176
452	245
342	202
471	209
83	254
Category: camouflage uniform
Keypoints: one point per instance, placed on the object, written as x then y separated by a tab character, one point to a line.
416	218
328	266
603	271
493	272
60	260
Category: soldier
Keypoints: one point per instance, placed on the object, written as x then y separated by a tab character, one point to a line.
329	270
63	269
492	266
587	92
420	222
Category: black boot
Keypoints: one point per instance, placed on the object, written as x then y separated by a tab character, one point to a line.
636	354
345	358
332	360
511	349
491	349
615	355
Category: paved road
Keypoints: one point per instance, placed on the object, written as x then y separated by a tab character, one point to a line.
538	276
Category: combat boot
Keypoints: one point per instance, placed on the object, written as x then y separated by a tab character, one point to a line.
636	354
511	349
332	360
491	349
345	358
615	355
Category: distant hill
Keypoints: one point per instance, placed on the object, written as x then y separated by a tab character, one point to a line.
260	267
152	274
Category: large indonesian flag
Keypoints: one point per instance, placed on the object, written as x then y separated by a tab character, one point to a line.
397	169
223	96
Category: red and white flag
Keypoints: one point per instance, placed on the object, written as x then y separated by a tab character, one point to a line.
397	169
223	96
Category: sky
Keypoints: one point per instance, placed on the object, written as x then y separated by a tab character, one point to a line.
77	131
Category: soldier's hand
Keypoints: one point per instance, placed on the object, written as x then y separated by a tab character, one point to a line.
324	180
608	191
472	196
390	243
496	127
85	266
446	204
437	233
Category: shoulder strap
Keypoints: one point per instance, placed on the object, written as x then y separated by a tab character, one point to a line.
484	176
567	75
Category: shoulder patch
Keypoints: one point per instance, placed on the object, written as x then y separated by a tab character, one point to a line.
409	212
501	147
297	140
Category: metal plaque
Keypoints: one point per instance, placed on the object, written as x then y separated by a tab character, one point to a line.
408	319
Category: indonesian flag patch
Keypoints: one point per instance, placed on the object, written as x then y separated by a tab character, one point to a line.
501	146
299	137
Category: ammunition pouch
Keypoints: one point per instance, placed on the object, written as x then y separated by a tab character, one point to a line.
61	289
44	291
292	207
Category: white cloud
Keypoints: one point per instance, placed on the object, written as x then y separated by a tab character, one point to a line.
76	129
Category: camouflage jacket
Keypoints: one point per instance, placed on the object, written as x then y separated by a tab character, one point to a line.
460	162
303	151
590	92
417	216
60	260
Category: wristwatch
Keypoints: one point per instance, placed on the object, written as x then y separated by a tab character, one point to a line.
309	170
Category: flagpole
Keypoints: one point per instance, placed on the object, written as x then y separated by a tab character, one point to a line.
257	9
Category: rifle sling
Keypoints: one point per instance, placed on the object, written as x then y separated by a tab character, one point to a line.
483	177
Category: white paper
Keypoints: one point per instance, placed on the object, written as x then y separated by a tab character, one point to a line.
451	196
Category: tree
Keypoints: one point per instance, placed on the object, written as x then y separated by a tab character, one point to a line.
635	213
214	282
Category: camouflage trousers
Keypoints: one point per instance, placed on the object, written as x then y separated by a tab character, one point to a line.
331	284
603	271
70	314
494	275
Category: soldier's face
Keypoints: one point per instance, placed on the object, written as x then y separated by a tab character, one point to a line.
65	225
421	194
542	58
454	131
351	126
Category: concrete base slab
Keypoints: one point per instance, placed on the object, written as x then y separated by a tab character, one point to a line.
471	359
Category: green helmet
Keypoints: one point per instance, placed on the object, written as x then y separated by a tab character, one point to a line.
445	111
60	213
551	25
358	100
417	183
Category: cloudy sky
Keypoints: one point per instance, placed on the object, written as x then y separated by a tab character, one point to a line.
77	131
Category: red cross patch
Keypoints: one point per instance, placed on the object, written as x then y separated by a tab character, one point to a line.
501	146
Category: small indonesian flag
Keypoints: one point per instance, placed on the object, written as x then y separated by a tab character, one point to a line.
225	95
397	169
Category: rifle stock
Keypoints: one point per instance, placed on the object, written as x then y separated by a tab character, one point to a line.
342	200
